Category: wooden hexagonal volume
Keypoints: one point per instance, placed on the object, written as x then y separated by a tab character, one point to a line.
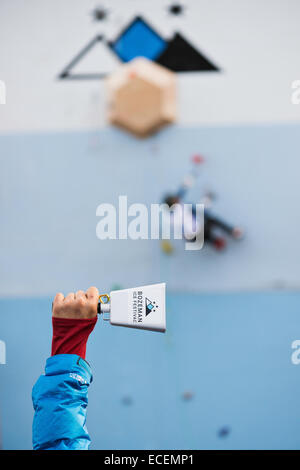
142	97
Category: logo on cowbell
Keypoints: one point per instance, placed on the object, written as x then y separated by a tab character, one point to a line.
150	306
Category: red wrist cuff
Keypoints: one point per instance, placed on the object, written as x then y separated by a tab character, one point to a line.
70	335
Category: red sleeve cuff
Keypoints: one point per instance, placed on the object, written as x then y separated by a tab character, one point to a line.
70	335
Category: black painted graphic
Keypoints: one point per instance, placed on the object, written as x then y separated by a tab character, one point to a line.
181	56
140	39
176	9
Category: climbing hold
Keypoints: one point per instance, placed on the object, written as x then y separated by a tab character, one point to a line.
224	432
142	97
187	395
127	400
167	247
197	159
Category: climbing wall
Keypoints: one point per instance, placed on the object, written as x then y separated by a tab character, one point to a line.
253	171
222	376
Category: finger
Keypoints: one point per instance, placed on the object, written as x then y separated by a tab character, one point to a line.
92	294
79	294
69	297
58	299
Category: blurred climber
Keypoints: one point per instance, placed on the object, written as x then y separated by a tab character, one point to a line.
212	225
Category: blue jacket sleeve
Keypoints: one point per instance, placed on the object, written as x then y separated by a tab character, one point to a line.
60	404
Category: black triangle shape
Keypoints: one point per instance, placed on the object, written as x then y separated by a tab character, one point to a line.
181	56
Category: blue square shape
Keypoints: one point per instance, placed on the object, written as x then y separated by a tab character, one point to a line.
138	40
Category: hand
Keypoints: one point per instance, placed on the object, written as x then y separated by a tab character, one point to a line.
81	305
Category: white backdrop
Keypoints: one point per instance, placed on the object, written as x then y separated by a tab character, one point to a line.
255	43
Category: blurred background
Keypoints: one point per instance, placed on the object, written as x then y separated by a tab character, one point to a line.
222	376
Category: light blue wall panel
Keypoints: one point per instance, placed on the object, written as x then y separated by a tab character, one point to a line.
51	184
232	352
